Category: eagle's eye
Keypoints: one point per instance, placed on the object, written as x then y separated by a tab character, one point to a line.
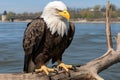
59	10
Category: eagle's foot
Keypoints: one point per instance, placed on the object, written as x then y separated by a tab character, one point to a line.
44	69
65	66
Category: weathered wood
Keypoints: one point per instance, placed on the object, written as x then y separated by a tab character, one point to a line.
108	28
118	42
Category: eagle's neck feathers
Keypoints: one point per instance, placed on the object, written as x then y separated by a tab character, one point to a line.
55	24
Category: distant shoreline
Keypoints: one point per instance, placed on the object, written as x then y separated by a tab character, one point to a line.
95	21
74	21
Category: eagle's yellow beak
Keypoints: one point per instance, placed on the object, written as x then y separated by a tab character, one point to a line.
65	14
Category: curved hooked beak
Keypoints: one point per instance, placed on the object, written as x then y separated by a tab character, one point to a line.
65	14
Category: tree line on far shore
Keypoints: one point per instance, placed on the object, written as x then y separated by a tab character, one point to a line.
95	13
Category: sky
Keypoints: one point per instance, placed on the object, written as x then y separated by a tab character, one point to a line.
20	6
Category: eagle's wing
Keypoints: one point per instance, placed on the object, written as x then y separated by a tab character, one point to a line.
70	33
32	39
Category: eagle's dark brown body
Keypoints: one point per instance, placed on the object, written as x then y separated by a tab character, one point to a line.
40	45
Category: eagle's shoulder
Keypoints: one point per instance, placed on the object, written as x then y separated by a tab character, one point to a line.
37	22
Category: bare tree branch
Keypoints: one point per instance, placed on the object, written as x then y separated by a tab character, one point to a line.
108	28
118	42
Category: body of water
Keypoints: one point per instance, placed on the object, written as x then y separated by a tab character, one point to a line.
89	43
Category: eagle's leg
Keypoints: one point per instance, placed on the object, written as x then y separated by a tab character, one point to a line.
45	69
64	66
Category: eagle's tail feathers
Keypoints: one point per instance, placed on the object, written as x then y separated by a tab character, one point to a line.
29	65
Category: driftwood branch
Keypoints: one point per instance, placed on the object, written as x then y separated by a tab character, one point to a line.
108	28
118	42
88	71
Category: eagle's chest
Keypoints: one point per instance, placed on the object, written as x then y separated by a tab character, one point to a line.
56	43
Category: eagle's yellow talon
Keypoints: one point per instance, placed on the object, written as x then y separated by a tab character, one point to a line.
44	69
64	66
68	66
38	70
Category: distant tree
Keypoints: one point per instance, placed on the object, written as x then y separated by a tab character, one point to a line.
118	13
103	9
97	8
10	15
86	14
113	7
0	17
75	13
26	15
114	14
83	13
5	13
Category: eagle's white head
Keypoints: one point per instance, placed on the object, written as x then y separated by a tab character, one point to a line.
56	16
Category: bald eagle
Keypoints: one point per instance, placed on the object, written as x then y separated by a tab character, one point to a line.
47	37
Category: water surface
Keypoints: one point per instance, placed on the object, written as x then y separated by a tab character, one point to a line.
89	42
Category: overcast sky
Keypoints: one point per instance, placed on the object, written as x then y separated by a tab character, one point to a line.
20	6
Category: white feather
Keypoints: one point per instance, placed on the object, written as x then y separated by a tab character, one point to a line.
54	21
